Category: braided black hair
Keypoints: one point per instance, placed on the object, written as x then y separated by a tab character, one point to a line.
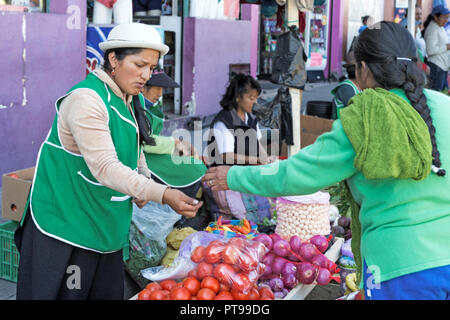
145	127
379	47
239	85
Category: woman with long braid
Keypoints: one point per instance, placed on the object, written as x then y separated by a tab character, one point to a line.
390	147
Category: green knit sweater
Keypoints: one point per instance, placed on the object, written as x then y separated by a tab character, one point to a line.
404	222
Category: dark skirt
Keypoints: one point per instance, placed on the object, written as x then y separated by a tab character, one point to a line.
50	269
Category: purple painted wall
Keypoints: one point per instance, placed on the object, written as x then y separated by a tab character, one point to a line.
210	46
45	55
251	12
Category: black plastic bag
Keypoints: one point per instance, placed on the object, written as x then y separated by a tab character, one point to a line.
277	114
289	67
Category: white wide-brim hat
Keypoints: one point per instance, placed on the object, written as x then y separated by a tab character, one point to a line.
134	35
281	2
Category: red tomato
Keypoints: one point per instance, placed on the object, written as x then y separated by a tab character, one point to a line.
211	283
224	295
168	284
193	273
193	298
224	273
152	286
158	295
253	294
224	287
266	292
213	253
239	295
238	242
253	276
180	294
166	294
192	284
241	282
205	294
204	269
198	254
259	249
144	294
217	242
231	254
247	263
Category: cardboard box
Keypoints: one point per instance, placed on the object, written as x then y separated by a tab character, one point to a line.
311	127
15	192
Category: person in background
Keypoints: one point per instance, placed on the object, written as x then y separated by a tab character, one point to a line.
437	47
390	146
89	172
235	140
153	92
345	90
366	22
184	174
237	103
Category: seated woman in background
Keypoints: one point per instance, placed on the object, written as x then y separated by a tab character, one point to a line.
171	161
235	140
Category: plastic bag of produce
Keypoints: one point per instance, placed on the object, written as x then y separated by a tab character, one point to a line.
304	216
182	264
231	265
148	231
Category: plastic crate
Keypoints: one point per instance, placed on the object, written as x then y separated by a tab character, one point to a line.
9	256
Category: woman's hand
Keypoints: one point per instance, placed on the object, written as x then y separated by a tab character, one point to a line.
216	178
181	203
140	203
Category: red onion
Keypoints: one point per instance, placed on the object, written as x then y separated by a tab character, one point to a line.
267	270
268	259
323	276
281	247
320	242
306	273
289	268
320	260
275	236
264	239
276	284
307	251
278	264
289	281
291	257
295	243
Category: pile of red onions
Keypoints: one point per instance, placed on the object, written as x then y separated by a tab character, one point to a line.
293	261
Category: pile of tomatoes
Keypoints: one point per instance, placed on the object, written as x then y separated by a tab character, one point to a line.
225	271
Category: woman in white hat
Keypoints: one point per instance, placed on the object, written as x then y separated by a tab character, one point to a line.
89	171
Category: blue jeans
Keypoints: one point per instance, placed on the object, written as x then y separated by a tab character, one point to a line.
438	77
431	284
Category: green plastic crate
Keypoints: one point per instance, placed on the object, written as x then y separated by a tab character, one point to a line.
9	256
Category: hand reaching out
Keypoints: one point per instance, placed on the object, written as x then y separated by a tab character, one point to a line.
181	203
216	178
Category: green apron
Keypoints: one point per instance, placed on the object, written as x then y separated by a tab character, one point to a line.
174	171
339	103
66	201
